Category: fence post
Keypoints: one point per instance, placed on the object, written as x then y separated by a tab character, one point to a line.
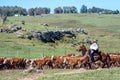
65	51
7	52
42	54
17	53
29	53
54	51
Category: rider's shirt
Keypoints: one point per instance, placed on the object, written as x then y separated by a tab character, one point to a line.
94	46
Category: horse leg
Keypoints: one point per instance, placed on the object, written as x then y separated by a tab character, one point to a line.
89	66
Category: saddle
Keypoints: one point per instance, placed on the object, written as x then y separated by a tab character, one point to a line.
97	56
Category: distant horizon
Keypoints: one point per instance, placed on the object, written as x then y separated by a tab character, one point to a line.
27	4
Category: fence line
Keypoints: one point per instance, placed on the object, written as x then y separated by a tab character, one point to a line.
29	53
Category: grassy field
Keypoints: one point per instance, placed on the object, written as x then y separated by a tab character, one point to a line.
62	74
105	28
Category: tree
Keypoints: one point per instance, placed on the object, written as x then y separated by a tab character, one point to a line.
4	18
31	12
22	12
94	9
116	12
73	9
38	11
46	10
58	10
89	10
3	14
66	9
83	9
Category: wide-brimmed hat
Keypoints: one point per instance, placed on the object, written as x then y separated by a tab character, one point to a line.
95	40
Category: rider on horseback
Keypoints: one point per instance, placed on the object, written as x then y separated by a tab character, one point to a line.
94	48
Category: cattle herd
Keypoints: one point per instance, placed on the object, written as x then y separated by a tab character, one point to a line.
66	61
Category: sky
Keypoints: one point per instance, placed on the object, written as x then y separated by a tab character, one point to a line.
106	4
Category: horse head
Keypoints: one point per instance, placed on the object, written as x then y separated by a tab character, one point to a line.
81	48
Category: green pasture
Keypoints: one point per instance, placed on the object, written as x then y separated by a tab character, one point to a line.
112	74
62	74
105	28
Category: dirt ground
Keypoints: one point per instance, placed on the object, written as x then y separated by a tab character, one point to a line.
82	70
35	74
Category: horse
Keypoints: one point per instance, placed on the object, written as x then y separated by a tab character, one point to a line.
103	57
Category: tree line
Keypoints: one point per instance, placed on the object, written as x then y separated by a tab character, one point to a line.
12	10
84	9
15	10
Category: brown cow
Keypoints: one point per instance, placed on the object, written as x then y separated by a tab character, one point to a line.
38	63
14	63
7	63
72	62
28	63
57	61
115	60
1	62
41	62
48	62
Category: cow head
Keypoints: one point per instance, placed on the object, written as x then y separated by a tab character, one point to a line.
6	61
28	62
65	61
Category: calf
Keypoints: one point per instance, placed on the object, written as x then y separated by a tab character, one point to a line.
72	62
57	61
41	62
